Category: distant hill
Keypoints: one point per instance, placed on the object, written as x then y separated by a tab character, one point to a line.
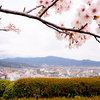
51	60
13	64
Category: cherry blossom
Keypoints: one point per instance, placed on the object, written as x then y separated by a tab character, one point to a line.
94	10
76	23
62	5
12	28
46	3
86	17
77	40
59	36
88	2
98	3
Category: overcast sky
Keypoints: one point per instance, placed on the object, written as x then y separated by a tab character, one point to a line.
36	39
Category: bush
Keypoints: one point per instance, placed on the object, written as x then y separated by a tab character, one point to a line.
58	98
26	87
54	87
9	92
3	85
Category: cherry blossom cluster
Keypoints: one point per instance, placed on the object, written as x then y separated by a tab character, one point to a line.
60	6
85	15
59	35
74	39
45	3
12	28
77	40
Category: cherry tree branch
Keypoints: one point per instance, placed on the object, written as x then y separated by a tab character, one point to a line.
67	33
83	26
47	8
51	25
97	39
34	9
4	30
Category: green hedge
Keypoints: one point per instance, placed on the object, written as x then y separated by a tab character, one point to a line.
57	98
9	92
3	85
54	87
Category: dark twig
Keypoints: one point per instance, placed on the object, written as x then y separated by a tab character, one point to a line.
24	9
83	26
34	8
97	39
58	30
0	6
47	8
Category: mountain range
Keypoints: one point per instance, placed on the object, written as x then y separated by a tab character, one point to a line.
13	64
51	60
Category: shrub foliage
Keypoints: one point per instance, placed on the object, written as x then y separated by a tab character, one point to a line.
9	92
58	98
54	87
3	85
